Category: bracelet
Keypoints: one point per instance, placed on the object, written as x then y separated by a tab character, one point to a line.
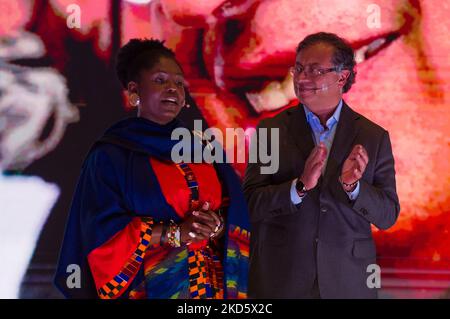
163	239
348	185
174	234
219	227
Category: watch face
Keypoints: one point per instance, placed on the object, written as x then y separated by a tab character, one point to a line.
300	186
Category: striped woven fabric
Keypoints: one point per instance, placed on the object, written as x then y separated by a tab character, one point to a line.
112	288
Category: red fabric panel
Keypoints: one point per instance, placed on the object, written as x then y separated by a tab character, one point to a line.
108	260
175	190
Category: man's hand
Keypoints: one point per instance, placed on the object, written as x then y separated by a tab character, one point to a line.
313	166
354	167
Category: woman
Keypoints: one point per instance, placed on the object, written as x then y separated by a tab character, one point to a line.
142	226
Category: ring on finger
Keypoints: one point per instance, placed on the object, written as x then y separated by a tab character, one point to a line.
192	234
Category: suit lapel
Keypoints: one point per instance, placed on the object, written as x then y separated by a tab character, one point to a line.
346	132
299	130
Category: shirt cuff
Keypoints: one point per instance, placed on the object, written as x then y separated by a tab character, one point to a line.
295	198
354	195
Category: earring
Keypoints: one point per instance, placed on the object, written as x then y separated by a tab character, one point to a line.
186	105
134	100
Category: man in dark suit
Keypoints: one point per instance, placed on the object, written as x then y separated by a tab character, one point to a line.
311	220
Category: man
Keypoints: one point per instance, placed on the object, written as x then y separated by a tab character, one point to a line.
311	221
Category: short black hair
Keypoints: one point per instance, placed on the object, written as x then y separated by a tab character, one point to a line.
139	54
343	53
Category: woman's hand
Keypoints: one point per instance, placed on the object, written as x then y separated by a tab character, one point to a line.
191	231
201	225
212	219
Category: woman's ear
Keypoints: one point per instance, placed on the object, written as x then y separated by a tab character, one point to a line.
132	87
133	95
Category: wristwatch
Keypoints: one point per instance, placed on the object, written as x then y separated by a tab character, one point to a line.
301	188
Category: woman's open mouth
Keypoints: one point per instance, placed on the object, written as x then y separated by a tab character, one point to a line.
170	101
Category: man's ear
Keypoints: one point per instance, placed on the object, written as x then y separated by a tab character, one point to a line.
132	87
343	76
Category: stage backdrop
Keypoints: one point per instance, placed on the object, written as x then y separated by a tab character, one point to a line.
58	92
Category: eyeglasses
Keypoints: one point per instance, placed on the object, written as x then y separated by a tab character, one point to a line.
312	71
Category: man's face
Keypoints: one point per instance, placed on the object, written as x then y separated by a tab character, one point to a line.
314	85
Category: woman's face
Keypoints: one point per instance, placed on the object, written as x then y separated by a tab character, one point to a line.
161	91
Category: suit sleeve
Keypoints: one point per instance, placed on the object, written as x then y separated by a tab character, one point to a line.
264	198
378	203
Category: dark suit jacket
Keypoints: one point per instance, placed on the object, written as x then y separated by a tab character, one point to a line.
327	236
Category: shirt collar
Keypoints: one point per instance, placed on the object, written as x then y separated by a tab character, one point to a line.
311	117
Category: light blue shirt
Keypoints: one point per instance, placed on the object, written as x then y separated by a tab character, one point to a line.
320	134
